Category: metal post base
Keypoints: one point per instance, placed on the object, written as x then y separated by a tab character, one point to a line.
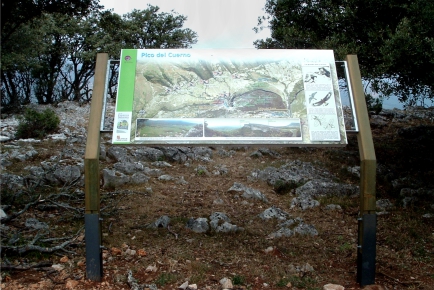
366	250
93	247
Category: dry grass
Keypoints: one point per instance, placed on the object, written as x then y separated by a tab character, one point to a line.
405	253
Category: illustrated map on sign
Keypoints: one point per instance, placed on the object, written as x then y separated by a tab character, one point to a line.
228	97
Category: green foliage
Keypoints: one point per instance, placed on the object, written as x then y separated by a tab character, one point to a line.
393	39
150	29
34	124
281	186
238	280
373	104
166	278
15	14
305	282
49	56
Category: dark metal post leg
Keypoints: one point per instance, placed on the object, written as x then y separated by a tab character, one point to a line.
366	251
93	247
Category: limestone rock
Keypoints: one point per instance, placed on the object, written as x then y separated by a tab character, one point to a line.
409	201
226	283
333	207
378	121
113	179
130	252
166	177
161	222
57	267
11	181
128	167
199	225
290	175
333	287
201	170
35	224
4	138
220	170
3	214
139	178
248	192
68	174
384	204
148	154
273	212
152	171
282	232
304	202
161	164
177	154
183	286
317	188
305	229
151	268
181	181
216	218
119	154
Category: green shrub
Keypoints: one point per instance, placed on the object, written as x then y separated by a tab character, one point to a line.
34	124
238	280
282	187
374	104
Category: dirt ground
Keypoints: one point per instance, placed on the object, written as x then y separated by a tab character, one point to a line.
167	257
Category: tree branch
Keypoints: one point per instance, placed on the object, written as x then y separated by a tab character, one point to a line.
16	214
31	247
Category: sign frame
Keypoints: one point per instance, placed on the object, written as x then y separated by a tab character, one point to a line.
366	248
228	97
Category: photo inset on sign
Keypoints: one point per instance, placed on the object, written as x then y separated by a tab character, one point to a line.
253	128
163	128
122	126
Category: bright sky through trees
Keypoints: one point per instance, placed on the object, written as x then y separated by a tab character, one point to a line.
219	24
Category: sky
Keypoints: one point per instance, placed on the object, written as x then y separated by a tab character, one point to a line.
218	23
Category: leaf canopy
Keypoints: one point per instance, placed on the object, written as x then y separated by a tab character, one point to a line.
393	39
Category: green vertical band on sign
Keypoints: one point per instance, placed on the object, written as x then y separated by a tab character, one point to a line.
127	77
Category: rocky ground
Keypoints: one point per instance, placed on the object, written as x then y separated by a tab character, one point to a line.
216	217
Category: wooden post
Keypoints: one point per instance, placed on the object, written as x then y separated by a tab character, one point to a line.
366	252
92	174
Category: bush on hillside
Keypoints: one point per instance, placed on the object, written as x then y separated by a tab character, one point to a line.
34	124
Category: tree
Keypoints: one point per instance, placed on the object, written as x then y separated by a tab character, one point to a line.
150	29
84	38
16	64
21	40
51	57
18	12
393	39
146	28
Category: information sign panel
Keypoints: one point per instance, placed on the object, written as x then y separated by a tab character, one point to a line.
240	97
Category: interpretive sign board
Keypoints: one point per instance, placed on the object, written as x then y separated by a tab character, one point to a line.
241	96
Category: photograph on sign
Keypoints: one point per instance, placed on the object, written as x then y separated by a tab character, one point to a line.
240	96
